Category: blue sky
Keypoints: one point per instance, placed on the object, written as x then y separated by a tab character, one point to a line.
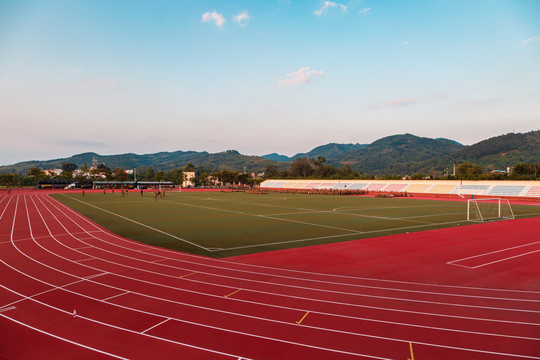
261	76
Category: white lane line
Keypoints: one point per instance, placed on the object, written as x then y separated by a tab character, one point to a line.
150	328
341	316
117	295
63	339
229	262
86	296
474	350
322	290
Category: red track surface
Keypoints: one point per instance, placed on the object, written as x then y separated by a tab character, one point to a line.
70	289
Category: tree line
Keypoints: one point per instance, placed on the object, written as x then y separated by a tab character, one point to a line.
301	168
85	175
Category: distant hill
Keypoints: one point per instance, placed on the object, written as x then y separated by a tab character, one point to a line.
330	151
400	154
276	157
392	155
499	152
230	159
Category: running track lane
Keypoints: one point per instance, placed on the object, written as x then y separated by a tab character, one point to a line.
61	260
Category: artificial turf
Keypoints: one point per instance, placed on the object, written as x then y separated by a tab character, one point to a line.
225	224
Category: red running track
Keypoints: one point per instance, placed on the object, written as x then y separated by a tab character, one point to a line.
70	289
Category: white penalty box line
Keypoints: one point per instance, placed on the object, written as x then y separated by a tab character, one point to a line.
454	262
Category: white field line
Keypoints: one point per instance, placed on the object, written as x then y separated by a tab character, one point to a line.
342	235
300	287
352	232
253	335
262	216
233	263
141	224
63	339
263	292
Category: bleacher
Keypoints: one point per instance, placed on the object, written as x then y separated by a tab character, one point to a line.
357	186
375	187
471	189
534	191
506	190
441	189
433	187
340	186
396	187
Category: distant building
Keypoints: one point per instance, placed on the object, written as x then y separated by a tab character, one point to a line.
53	172
188	179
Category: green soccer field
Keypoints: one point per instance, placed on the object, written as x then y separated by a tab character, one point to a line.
223	224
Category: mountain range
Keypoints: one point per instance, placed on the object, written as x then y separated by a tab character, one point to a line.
391	155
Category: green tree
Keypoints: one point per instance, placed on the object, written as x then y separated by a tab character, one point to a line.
69	167
302	167
468	169
271	171
120	174
37	174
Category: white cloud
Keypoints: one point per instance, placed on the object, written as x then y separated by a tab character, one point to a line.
300	77
241	18
364	11
533	39
330	5
214	17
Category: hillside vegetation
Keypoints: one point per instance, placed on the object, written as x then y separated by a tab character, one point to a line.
403	154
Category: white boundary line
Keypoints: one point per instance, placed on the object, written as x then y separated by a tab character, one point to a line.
492	252
235	263
150	328
63	339
294	309
141	224
285	277
432	344
89	297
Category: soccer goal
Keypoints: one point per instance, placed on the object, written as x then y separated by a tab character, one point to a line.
489	209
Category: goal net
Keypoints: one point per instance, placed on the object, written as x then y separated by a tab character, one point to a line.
489	209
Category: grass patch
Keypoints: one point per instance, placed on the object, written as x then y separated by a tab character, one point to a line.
226	224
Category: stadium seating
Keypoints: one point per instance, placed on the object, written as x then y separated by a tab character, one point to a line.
534	191
340	186
441	189
418	188
471	189
357	186
375	187
506	190
396	187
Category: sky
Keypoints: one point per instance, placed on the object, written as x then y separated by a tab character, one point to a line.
261	76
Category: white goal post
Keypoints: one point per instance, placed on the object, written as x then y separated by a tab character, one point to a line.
489	209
